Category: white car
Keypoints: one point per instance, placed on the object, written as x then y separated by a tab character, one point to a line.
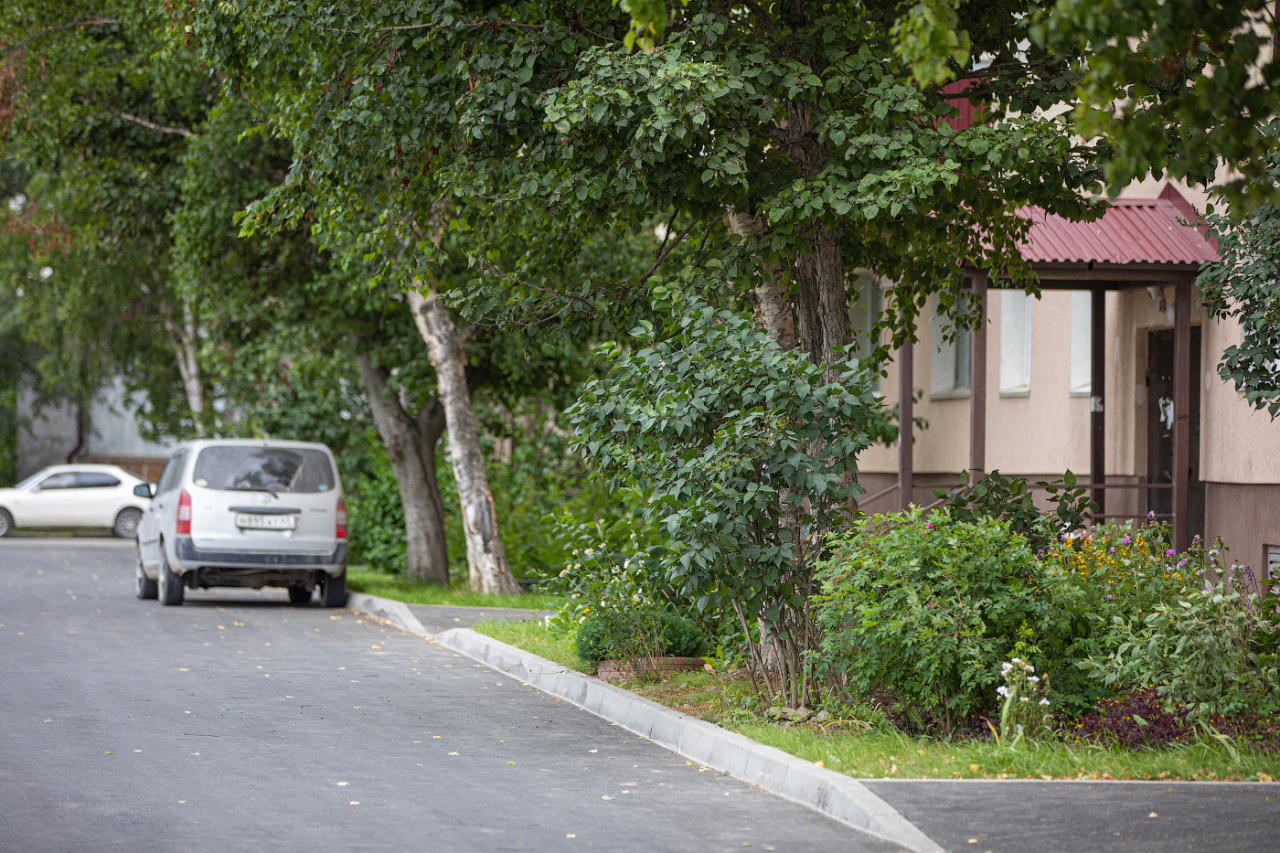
245	513
101	496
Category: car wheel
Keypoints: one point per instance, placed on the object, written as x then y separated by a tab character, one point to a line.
171	591
299	595
333	590
144	586
126	526
6	522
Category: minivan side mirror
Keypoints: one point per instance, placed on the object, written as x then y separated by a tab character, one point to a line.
144	490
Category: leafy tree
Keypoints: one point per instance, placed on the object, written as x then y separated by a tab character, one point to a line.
1245	285
1179	87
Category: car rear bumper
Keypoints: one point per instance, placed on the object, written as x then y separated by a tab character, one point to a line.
190	557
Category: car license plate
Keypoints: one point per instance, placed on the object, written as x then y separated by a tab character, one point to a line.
266	522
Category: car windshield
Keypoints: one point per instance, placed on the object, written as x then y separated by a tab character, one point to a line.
37	475
272	469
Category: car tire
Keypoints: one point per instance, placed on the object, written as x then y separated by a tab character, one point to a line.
170	591
126	526
299	595
333	590
6	522
144	586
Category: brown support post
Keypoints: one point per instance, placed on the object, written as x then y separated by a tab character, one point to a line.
1181	411
1097	394
906	416
978	382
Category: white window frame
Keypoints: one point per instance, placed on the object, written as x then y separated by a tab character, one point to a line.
1081	343
1015	343
951	369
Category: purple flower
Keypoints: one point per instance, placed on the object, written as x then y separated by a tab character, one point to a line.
1151	515
1111	550
1182	565
1126	540
928	525
1170	552
1040	553
1109	598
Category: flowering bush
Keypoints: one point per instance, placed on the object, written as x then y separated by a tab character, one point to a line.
1091	584
1211	649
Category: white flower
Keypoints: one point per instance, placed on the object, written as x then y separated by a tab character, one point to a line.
1016	660
1033	679
1005	667
1030	668
1002	690
1023	699
1044	702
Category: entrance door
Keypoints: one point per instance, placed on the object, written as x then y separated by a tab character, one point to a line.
1160	417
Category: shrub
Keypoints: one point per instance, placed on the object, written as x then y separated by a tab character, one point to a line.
1086	583
1008	499
376	521
741	446
639	633
927	608
1211	649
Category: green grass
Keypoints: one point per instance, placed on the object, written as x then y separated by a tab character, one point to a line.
533	637
863	751
399	589
892	755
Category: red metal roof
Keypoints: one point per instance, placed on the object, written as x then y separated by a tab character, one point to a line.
1132	231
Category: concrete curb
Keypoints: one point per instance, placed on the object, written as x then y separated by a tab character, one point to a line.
832	794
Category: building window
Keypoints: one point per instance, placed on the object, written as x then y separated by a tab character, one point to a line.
864	312
1015	343
950	374
1081	343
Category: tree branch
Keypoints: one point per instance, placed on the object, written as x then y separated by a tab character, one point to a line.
149	125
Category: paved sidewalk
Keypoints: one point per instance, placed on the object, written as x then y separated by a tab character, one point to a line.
436	619
919	815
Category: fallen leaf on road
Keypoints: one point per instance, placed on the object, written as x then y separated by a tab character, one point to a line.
50	720
606	797
453	753
108	752
343	784
1153	814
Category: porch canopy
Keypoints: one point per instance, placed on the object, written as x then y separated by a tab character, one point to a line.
1136	243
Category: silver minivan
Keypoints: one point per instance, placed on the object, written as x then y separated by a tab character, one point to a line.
245	513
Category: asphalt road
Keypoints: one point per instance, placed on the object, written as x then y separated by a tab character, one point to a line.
239	722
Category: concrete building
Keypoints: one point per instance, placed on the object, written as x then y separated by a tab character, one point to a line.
111	435
1112	374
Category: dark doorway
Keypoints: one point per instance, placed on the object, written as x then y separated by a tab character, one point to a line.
1160	416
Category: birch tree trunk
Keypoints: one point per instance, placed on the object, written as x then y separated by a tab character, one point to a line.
410	444
185	338
773	314
486	559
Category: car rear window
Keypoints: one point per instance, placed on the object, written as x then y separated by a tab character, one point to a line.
273	469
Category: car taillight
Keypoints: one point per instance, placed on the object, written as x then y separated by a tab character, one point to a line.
184	513
341	531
